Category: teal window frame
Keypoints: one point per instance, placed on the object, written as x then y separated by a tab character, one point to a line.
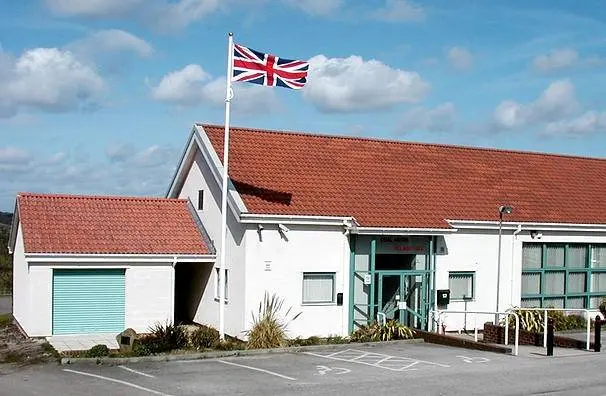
545	270
473	284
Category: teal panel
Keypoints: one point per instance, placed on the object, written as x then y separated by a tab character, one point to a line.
88	301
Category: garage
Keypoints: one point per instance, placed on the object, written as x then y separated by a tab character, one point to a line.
88	301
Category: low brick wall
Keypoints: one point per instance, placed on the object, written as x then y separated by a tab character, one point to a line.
443	339
496	335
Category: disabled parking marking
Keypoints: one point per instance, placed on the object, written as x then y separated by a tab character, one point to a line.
468	359
387	362
323	370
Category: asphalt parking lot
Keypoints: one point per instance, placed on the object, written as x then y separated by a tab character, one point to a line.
405	369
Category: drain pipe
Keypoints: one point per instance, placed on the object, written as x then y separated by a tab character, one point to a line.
513	241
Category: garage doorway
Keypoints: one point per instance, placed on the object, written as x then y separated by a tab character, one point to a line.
191	281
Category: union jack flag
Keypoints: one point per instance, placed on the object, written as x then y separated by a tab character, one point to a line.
266	69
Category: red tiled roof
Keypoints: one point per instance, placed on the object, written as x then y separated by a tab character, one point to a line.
108	225
400	184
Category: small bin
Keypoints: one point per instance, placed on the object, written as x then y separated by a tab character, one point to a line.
443	297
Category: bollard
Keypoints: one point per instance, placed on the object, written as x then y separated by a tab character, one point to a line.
598	336
550	337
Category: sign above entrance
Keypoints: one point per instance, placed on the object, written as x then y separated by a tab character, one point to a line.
400	244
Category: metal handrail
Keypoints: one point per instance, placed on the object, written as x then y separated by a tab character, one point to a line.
545	317
515	351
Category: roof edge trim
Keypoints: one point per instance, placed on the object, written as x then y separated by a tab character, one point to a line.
251	218
493	225
117	258
402	231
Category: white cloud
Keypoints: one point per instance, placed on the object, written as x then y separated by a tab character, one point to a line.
438	119
111	41
164	14
192	86
556	102
183	87
12	155
119	152
49	79
588	123
460	58
399	11
144	171
555	60
316	7
352	84
92	8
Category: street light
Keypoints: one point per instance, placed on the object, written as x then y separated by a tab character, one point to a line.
503	209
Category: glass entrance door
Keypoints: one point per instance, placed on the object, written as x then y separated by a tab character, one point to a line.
401	295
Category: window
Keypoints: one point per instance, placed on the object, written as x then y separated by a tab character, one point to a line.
563	275
318	288
200	199
461	285
218	285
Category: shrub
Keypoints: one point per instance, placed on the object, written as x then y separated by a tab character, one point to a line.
336	339
5	320
204	337
145	346
98	351
313	340
168	337
269	327
533	321
392	330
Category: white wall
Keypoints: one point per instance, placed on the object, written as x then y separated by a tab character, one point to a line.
20	283
470	250
149	293
277	265
149	296
199	177
476	251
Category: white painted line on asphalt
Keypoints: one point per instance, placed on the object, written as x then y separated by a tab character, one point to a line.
257	369
405	358
385	361
118	382
136	372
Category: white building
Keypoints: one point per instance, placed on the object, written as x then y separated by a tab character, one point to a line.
345	228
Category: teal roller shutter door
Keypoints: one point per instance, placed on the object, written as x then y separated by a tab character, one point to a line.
88	301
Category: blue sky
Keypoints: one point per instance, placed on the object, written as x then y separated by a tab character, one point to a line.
99	96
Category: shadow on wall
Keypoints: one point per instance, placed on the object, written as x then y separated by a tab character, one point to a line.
191	280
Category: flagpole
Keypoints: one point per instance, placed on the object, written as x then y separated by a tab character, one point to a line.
222	266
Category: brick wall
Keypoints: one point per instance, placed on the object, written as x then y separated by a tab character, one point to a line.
496	335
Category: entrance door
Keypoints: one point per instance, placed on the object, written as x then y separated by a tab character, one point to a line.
401	296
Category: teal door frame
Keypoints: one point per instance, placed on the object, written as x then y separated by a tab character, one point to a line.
365	313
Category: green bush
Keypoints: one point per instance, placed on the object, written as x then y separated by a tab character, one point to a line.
98	351
313	340
336	339
392	330
5	320
534	321
168	337
269	327
145	346
204	337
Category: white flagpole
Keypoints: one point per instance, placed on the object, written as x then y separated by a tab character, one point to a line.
222	267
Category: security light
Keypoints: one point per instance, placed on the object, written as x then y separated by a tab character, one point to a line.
505	209
283	228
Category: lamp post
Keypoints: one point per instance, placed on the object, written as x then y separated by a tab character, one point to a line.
503	209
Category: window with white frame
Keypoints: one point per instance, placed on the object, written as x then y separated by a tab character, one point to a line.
318	287
461	285
218	285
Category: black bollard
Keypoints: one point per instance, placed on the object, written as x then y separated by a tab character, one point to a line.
549	337
597	345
